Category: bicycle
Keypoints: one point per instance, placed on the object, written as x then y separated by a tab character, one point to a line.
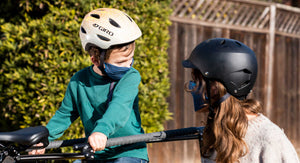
12	144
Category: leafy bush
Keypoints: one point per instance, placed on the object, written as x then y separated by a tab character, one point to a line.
40	50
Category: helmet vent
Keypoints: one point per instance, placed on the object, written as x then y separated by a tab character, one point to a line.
103	38
238	43
129	18
114	23
83	30
247	71
245	84
223	42
95	16
247	78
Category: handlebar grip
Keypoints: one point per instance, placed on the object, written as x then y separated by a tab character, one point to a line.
135	139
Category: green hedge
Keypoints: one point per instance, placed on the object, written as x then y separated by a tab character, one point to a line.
40	50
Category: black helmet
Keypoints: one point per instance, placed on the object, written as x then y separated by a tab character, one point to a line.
228	61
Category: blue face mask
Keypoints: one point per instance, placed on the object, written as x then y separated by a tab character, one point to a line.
197	96
116	72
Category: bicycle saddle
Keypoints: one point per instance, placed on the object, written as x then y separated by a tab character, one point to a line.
27	136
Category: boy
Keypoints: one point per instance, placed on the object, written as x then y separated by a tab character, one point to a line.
105	95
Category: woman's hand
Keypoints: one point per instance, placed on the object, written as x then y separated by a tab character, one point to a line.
97	141
37	151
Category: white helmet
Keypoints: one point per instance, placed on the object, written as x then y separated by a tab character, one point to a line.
105	27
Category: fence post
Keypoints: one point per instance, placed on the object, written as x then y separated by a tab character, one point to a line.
270	61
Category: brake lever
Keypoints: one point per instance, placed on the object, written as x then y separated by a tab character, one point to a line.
86	150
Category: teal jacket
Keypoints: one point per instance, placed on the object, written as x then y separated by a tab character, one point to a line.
86	98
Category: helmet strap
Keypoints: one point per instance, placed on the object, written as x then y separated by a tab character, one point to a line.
101	67
222	99
211	113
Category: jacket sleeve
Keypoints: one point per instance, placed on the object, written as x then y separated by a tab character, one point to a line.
64	116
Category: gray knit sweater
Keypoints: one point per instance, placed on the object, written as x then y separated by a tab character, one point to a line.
267	143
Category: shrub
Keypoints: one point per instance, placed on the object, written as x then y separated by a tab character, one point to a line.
41	50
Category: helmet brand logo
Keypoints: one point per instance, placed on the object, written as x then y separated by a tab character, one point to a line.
103	29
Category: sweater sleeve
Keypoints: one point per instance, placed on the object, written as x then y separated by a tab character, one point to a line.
278	148
64	116
121	106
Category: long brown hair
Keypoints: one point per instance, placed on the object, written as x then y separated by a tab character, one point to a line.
225	131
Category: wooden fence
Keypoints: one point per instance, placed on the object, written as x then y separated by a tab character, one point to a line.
271	30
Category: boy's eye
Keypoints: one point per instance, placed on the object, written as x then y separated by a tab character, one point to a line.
120	62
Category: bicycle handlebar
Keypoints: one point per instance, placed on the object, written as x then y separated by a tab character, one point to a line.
87	153
168	135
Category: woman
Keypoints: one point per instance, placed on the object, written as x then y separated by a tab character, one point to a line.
224	72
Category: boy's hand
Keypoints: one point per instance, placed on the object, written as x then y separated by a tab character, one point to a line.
97	141
37	151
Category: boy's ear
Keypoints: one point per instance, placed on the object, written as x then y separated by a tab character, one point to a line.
95	61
